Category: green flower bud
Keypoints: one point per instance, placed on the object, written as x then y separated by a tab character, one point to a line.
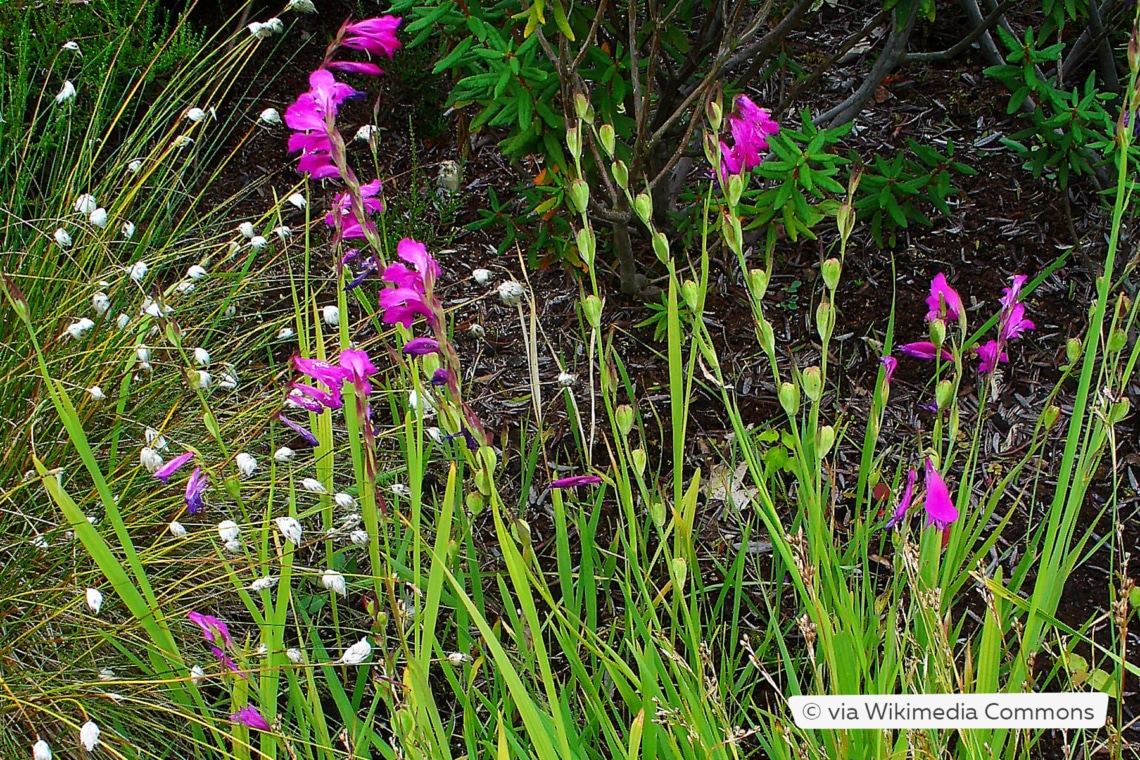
767	337
661	247
734	189
680	572
823	319
657	513
1073	348
733	235
475	502
812	381
643	206
404	723
758	283
583	109
830	270
621	173
592	308
574	142
938	332
789	395
521	529
580	194
623	416
1051	415
638	457
1117	340
943	394
690	293
1118	411
712	148
845	220
607	138
452	552
587	245
826	440
715	114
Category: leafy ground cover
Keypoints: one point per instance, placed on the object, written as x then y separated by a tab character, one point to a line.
656	613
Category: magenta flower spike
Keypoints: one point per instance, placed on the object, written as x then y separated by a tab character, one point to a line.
750	126
943	301
421	347
350	226
356	67
890	364
163	473
213	629
195	487
299	430
312	117
576	480
401	305
904	502
328	375
924	349
358	368
1014	323
940	509
989	354
415	253
314	399
376	36
250	717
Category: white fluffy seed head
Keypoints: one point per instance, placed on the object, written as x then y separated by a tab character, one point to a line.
258	242
228	530
96	393
101	303
312	485
283	232
511	292
565	379
196	272
263	584
290	529
195	114
98	217
297	200
128	230
481	276
85	204
89	735
134	166
458	658
234	546
197	674
202	357
295	655
41	750
246	464
359	537
334	582
365	133
331	315
138	271
285	333
270	116
246	229
66	93
284	454
94	599
177	529
344	500
122	321
62	238
150	459
357	653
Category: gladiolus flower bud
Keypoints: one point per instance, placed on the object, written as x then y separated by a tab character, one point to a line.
624	418
690	294
823	317
592	309
638	460
579	194
767	337
582	108
607	137
758	283
830	270
812	381
789	395
943	394
734	188
661	247
621	173
937	332
643	207
1073	349
574	142
826	439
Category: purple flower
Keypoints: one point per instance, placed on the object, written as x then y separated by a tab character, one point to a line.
313	399
403	304
421	347
1014	323
943	301
989	354
750	126
213	629
904	503
358	368
163	473
890	363
354	67
304	433
576	480
195	487
1011	325
940	510
311	118
376	36
249	716
350	226
440	377
329	375
924	349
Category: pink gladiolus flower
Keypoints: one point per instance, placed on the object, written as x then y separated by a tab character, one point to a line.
1014	323
989	354
249	716
440	377
329	375
195	487
163	473
356	67
421	347
1011	325
576	480
358	368
301	431
750	126
314	399
924	349
402	305
904	503
376	36
940	509
350	226
890	363
943	302
213	629
313	114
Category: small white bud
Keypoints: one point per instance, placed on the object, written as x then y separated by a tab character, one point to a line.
41	750
177	529
359	537
258	242
285	333
183	141
246	464
197	674
228	530
312	485
228	381
101	303
344	500
134	166
143	353
62	238
259	31
275	25
233	547
150	459
435	434
283	233
401	490
122	321
71	45
511	293
331	315
365	133
94	600
89	735
202	357
334	582
195	114
138	271
86	203
284	454
196	272
458	658
66	93
565	379
357	653
202	379
98	217
270	116
290	529
295	655
298	200
128	230
263	584
96	393
246	229
106	674
481	276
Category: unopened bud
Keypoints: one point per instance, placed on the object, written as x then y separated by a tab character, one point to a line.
621	173
661	247
938	332
733	189
1117	340
638	458
733	234
606	137
826	440
1073	350
823	319
574	141
583	109
812	381
587	245
712	148
643	206
830	270
845	220
789	395
943	394
657	513
1051	415
592	308
715	114
690	293
1119	410
623	416
580	195
767	337
758	283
